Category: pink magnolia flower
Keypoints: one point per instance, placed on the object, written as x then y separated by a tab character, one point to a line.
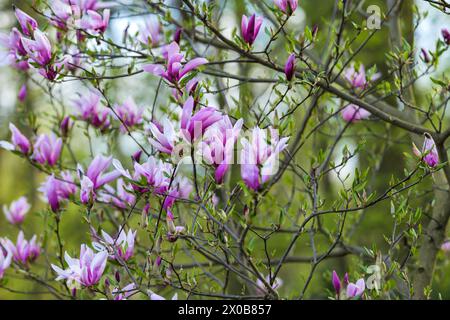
289	67
17	210
27	23
22	95
181	189
23	251
217	146
193	126
18	141
446	246
150	32
5	261
125	292
337	282
65	126
58	190
95	177
356	289
153	173
429	152
86	271
164	137
154	296
122	198
173	231
446	35
123	244
47	149
174	70
259	158
91	111
16	55
353	113
358	79
287	6
250	28
39	49
129	113
262	288
94	21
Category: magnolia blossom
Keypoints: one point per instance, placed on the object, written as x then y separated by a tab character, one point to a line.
173	230
95	178
181	189
16	55
129	113
446	35
5	261
353	290
125	292
150	32
91	111
217	146
259	158
40	51
27	23
289	67
22	95
193	126
121	198
287	6
164	136
446	246
120	246
277	283
429	152
94	21
175	70
65	125
154	296
58	190
17	210
358	79
61	13
353	113
250	28
18	141
47	149
86	271
23	251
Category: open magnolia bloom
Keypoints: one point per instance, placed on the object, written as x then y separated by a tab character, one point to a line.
429	153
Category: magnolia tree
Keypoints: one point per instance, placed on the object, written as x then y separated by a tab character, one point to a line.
256	155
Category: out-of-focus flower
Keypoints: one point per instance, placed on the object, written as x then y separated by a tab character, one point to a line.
259	158
429	151
17	210
91	111
356	289
277	283
174	70
94	21
353	113
47	149
150	32
58	190
129	113
287	6
446	246
22	95
86	271
177	35
5	261
122	198
154	296
250	28
27	23
65	126
446	35
217	145
289	67
164	137
18	141
425	56
194	126
125	292
358	79
16	55
23	251
123	244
